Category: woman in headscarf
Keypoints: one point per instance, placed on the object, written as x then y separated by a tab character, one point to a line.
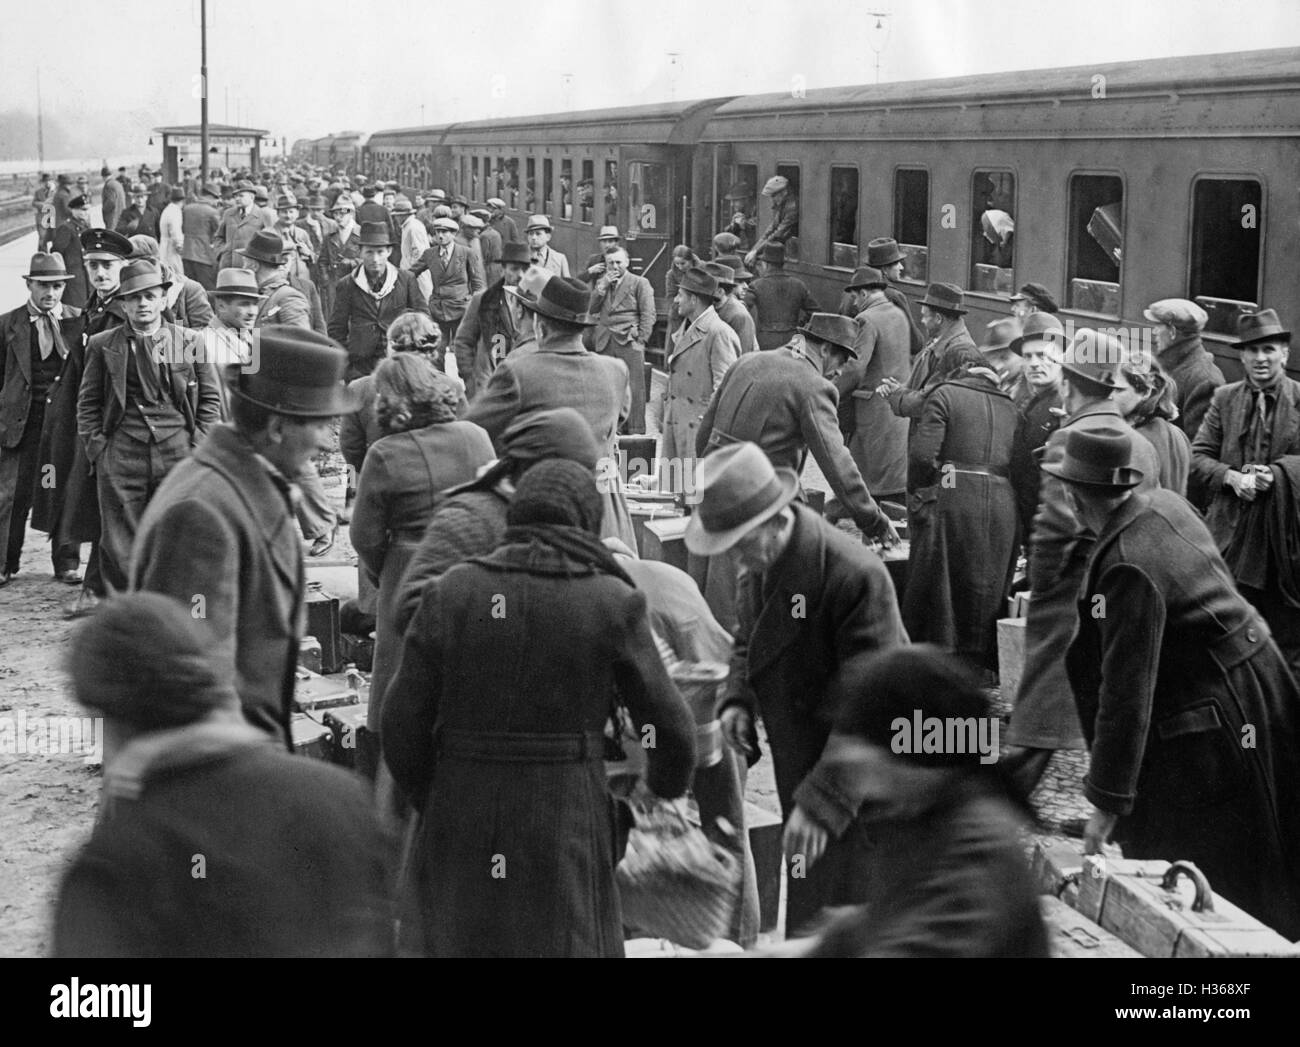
1148	404
424	452
494	726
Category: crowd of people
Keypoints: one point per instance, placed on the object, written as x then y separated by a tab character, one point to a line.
179	371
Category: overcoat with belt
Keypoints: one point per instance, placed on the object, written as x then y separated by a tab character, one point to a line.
700	356
1044	716
1191	715
784	666
68	508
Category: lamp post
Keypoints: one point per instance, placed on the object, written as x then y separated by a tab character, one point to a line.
203	87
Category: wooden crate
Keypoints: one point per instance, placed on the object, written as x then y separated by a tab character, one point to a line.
1011	655
1071	935
1142	903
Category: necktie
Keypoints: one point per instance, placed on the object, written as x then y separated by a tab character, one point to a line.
446	255
1261	420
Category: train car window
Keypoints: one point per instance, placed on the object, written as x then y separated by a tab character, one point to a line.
473	178
566	188
511	195
647	199
790	172
1096	243
844	218
1224	277
993	232
738	206
548	186
587	191
611	192
499	190
530	185
912	222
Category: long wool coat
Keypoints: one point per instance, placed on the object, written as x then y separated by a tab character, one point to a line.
514	851
1171	680
400	482
701	353
1044	716
784	666
963	518
359	319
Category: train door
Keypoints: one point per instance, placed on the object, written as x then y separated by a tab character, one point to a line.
652	216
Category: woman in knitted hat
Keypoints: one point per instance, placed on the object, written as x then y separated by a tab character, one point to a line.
211	840
911	762
494	727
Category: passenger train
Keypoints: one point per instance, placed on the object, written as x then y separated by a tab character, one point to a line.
1114	185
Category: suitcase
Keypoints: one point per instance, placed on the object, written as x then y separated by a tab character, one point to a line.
323	623
310	738
1140	901
1056	869
664	539
347	726
312	691
1071	935
359	650
1105	228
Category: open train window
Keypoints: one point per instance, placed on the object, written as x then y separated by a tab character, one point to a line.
912	222
548	186
530	185
587	191
647	199
844	218
1224	277
511	194
499	188
611	192
738	208
790	172
566	188
993	232
489	181
1096	243
473	180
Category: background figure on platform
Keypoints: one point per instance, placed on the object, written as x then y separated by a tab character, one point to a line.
624	304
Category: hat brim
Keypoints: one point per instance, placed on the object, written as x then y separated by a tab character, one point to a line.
829	341
240	293
887	261
1112	386
944	307
48	278
126	290
1279	336
1122	479
703	542
345	400
543	308
873	286
376	243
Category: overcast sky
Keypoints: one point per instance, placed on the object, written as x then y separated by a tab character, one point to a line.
304	68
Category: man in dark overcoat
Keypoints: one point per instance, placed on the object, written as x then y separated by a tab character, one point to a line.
782	302
883	253
221	528
1044	718
1042	343
1247	458
1183	356
40	347
810	599
489	330
199	223
146	400
941	319
1192	718
369	298
66	242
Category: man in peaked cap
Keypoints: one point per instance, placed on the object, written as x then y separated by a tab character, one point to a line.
66	242
41	355
499	220
490	244
1247	457
1185	359
144	404
1044	718
455	274
221	526
785	217
1033	298
748	510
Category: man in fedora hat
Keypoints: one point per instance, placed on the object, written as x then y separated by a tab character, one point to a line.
1043	718
538	233
236	299
781	301
238	226
877	437
455	273
368	298
200	223
1001	348
1033	298
1042	344
495	324
883	253
785	217
41	357
594	268
500	221
302	256
784	665
562	373
941	320
221	527
1183	357
702	350
144	404
414	240
268	257
66	242
624	304
1170	678
731	311
1247	458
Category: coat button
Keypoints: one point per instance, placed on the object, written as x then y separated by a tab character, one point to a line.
1252	635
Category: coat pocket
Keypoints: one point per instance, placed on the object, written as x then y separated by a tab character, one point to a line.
1195	760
